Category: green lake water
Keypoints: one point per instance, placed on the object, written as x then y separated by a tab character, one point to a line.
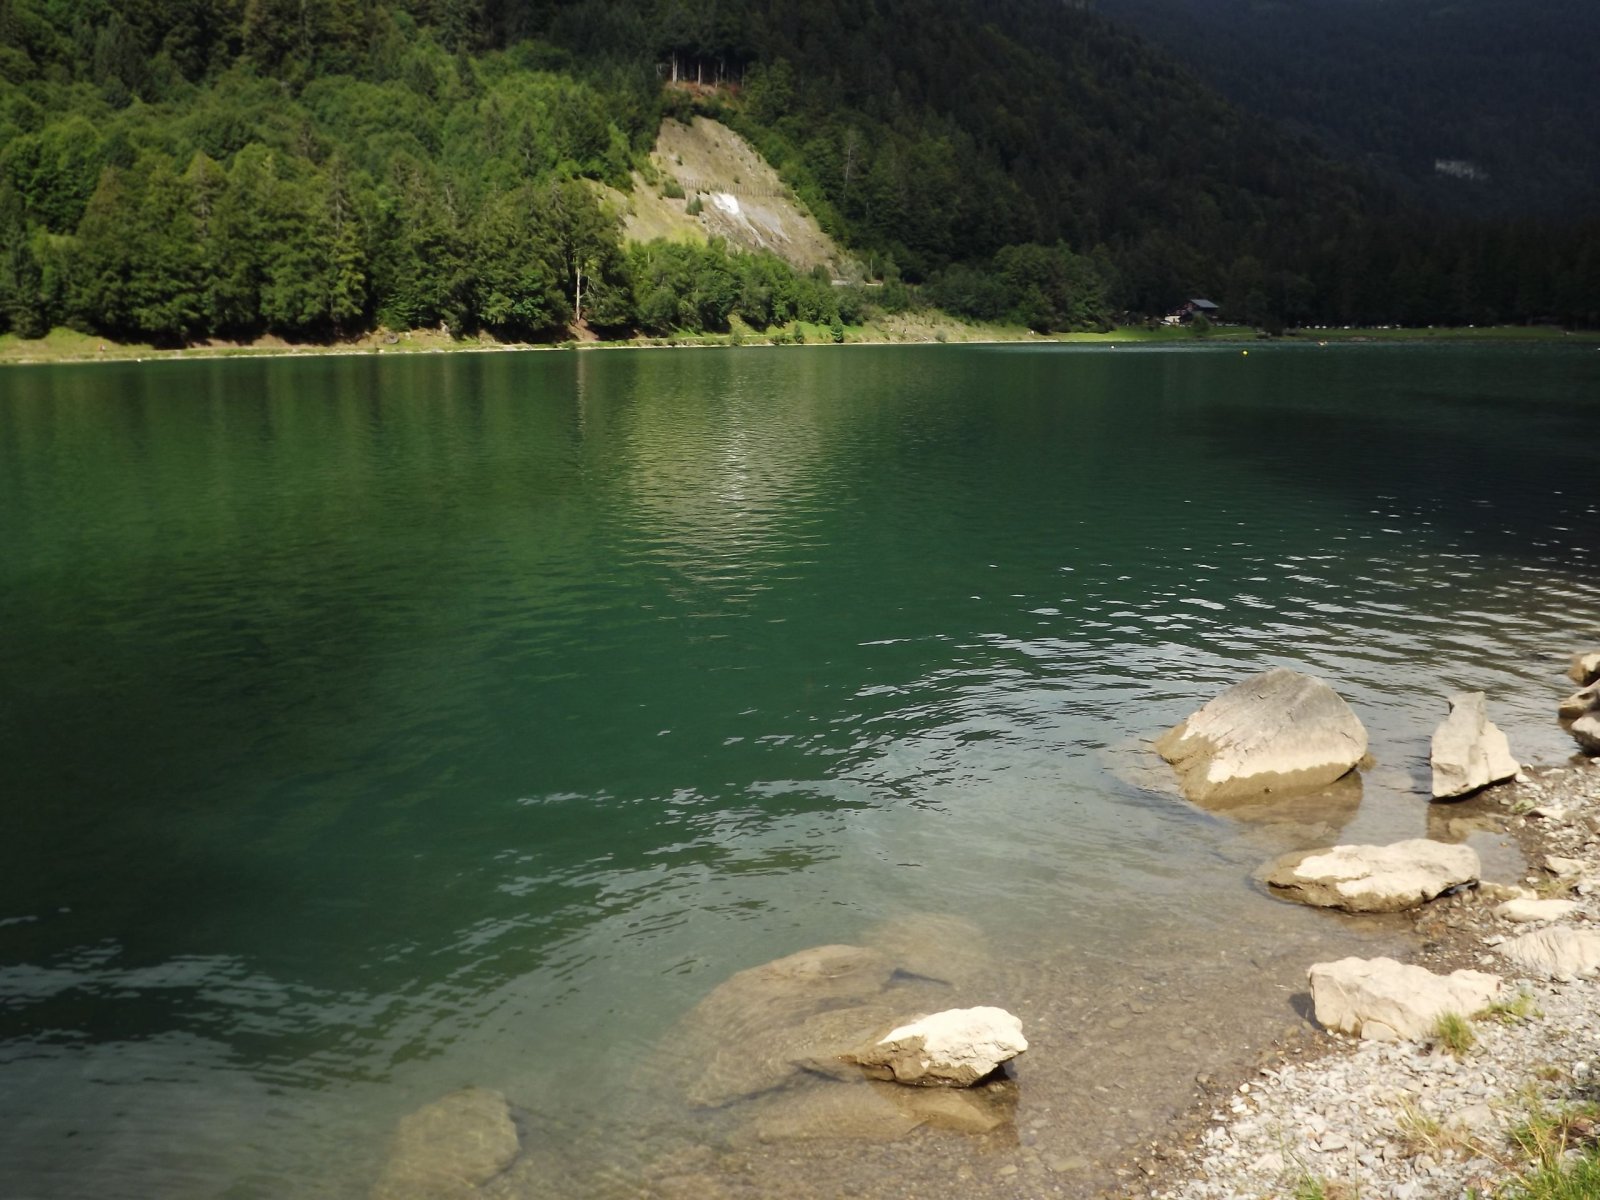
372	727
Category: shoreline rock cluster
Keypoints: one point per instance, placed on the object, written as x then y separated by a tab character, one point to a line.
855	1042
1429	1072
1405	1118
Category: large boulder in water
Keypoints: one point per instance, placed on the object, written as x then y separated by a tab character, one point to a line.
1389	878
1586	732
1469	751
1381	999
1274	732
450	1148
955	1048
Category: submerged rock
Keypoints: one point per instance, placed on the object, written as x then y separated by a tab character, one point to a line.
1381	999
449	1148
1274	732
1469	751
1555	951
1390	878
955	1048
866	1110
759	1026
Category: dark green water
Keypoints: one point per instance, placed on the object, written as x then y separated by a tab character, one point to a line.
368	728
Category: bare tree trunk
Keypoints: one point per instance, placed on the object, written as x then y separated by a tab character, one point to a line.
577	300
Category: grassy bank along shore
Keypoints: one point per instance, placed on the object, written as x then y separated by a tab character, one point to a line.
70	346
1503	1104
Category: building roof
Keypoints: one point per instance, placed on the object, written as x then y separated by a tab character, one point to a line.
1202	304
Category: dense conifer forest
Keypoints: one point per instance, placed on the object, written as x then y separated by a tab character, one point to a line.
1475	106
227	168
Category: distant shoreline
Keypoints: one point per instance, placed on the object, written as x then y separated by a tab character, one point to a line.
63	347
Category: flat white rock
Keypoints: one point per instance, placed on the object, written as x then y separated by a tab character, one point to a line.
1555	951
955	1048
1390	878
1274	732
1381	999
1524	911
1469	751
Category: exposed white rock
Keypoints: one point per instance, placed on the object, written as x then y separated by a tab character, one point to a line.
1585	668
450	1147
1528	911
1373	878
1381	999
955	1048
1555	951
1274	732
1563	868
1469	750
1586	732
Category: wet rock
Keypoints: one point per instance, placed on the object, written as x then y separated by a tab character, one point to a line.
1555	951
1389	878
1278	731
869	1110
1469	751
1585	668
449	1148
1586	700
1528	911
955	1048
1382	999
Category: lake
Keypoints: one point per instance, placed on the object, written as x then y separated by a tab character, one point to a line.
377	726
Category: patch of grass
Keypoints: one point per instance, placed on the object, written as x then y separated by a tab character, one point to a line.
1563	1147
1454	1033
1315	1187
1546	1134
1421	1133
1571	1179
1518	1009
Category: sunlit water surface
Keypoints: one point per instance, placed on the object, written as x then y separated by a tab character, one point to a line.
374	727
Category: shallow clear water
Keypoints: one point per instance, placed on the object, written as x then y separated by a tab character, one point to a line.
372	727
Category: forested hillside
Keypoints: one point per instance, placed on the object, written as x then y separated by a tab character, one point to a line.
1472	105
231	167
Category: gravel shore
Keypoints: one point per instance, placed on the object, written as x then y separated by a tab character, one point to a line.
1336	1117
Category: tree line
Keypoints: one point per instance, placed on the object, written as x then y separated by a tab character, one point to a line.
224	168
